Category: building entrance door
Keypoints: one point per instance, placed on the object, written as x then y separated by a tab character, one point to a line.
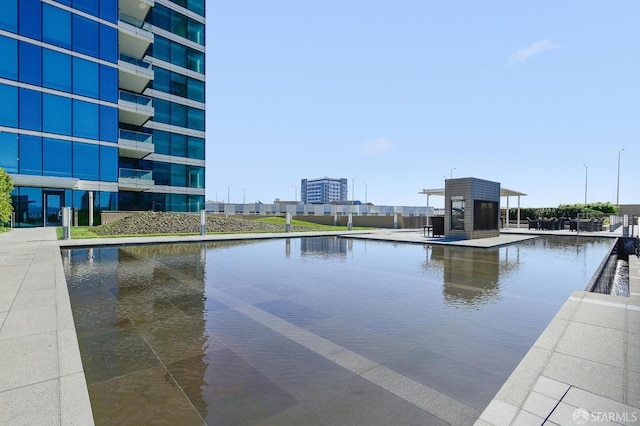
53	202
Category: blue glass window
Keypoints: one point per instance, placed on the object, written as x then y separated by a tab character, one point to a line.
162	111
56	114
29	208
196	177
107	200
30	63
178	145
56	157
9	150
162	142
85	78
195	147
56	70
109	10
108	83
85	119
161	79
196	119
30	109
178	84
56	26
65	2
89	6
195	61
85	158
178	24
108	43
179	54
162	48
178	175
195	90
196	202
30	155
108	124
108	163
30	18
196	32
9	62
8	110
161	17
197	6
9	15
85	35
178	115
161	173
178	203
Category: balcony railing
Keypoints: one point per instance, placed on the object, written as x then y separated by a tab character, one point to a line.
136	174
136	99
132	136
135	22
135	61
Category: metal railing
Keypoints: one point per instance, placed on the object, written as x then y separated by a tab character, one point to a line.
139	137
136	99
135	174
135	22
135	61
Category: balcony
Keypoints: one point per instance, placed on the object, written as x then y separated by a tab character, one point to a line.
134	144
135	36
134	74
138	9
134	109
135	180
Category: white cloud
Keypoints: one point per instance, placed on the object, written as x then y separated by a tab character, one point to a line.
378	146
535	49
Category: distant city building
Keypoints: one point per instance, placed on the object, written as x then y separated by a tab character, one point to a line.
323	190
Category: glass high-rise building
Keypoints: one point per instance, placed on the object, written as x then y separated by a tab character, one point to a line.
323	190
102	102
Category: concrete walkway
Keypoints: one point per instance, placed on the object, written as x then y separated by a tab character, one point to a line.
41	375
585	367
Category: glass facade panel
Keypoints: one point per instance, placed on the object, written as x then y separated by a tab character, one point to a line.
178	175
161	16
162	111
195	148
108	44
56	157
56	26
85	158
178	84
108	201
195	90
109	10
30	18
178	24
195	31
178	115
108	163
197	6
30	109
85	78
27	204
30	155
196	61
85	120
178	203
457	215
161	173
108	83
9	149
196	202
9	62
196	177
9	15
89	6
162	80
108	124
162	142
30	58
196	119
85	36
162	48
8	110
178	54
178	145
56	70
56	114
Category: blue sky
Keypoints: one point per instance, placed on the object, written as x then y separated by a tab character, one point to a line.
397	94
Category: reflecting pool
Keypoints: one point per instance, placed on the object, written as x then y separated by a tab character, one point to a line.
313	330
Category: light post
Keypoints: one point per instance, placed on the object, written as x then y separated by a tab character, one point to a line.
353	191
365	193
618	185
451	174
586	174
229	194
295	194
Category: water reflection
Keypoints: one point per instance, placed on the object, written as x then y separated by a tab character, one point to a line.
325	247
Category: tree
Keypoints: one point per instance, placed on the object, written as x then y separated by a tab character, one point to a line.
6	186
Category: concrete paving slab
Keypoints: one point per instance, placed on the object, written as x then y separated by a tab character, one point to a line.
539	404
599	344
595	403
602	316
552	335
28	360
498	413
525	418
551	388
521	381
35	404
26	322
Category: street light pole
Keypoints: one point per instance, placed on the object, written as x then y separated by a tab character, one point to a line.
586	173
365	192
618	185
451	174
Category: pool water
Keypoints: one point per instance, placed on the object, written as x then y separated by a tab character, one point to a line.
313	330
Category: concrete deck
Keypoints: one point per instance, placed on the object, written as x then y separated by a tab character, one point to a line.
587	358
